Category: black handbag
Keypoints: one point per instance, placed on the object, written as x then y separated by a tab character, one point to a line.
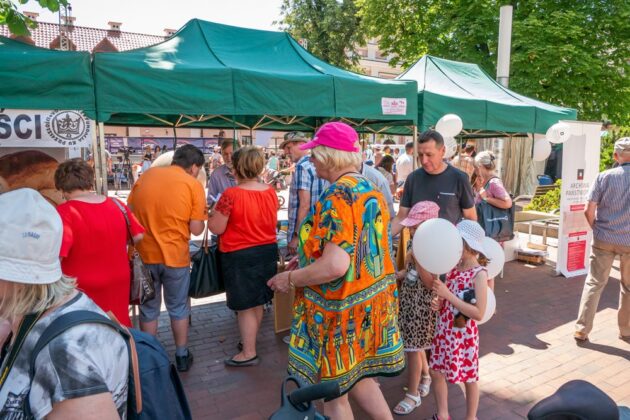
205	279
497	223
142	287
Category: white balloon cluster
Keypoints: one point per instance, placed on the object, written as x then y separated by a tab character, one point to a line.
438	247
449	125
558	133
542	150
451	147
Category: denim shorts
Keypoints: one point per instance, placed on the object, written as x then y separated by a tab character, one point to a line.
175	282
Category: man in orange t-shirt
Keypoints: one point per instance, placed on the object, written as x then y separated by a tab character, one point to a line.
171	204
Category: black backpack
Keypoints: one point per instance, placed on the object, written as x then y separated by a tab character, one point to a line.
154	390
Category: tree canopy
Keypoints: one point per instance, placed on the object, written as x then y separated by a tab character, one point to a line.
331	28
572	53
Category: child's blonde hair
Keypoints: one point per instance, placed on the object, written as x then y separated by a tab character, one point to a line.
481	258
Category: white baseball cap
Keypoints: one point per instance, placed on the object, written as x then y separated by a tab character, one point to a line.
472	233
30	238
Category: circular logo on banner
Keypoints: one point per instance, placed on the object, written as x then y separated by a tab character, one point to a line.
67	128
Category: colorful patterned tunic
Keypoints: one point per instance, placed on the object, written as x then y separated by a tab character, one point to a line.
347	329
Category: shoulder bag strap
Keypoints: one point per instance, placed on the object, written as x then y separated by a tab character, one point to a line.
26	326
488	182
74	318
127	222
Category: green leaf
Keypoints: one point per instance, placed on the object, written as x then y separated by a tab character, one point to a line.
18	23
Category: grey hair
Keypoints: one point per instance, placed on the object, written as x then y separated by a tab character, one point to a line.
486	159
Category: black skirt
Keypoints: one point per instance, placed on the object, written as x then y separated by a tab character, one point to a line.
246	273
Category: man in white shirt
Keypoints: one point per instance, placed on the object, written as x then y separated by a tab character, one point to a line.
404	164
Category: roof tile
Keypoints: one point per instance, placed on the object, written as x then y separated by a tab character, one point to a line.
86	39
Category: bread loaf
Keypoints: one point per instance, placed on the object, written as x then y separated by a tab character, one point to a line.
31	169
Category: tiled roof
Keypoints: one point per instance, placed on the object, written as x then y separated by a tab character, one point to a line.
86	39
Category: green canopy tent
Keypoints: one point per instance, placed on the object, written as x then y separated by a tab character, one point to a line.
212	75
486	108
38	78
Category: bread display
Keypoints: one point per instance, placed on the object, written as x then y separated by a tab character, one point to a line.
31	169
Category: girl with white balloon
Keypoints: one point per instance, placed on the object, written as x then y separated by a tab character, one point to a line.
416	319
455	346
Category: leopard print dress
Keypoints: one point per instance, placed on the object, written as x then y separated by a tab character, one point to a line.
415	318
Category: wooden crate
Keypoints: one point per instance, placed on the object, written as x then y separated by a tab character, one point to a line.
526	257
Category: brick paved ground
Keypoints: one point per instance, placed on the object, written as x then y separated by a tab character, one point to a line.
527	352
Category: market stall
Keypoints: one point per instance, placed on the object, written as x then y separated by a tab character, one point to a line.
46	111
488	111
213	75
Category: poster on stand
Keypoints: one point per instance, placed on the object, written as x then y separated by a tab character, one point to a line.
580	166
44	129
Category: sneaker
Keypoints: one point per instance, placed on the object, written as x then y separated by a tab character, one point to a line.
184	362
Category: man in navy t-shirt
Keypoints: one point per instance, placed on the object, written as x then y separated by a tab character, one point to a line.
436	181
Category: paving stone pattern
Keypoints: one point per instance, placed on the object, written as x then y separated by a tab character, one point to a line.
527	352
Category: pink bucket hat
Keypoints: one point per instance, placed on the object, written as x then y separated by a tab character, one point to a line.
420	212
335	135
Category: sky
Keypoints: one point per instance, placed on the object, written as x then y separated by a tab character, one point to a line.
153	16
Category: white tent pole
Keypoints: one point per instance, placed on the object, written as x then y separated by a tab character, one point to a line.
96	157
415	147
503	69
101	137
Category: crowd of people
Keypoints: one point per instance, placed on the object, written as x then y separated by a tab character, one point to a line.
358	313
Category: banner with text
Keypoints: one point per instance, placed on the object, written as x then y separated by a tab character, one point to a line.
580	166
35	128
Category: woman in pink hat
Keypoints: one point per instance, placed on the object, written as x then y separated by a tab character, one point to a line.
416	318
345	323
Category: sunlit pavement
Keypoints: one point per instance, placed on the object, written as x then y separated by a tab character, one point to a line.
527	351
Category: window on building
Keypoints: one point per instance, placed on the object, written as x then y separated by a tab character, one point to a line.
362	52
385	75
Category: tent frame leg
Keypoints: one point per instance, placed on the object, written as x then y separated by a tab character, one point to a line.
101	151
415	147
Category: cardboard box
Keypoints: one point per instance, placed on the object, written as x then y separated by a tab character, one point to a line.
282	306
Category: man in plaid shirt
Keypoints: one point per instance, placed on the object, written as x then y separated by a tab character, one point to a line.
306	186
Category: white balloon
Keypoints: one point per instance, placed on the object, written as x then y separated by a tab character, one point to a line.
449	125
542	150
438	246
491	306
494	253
451	147
558	133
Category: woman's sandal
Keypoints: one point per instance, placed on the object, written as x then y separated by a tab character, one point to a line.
405	407
425	386
242	363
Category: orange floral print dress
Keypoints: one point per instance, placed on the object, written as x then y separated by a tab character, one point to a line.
347	329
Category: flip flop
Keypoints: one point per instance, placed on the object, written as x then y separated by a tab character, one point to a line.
406	407
242	363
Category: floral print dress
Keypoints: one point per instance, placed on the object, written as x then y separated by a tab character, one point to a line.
347	329
455	351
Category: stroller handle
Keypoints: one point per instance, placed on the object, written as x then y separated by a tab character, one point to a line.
327	390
